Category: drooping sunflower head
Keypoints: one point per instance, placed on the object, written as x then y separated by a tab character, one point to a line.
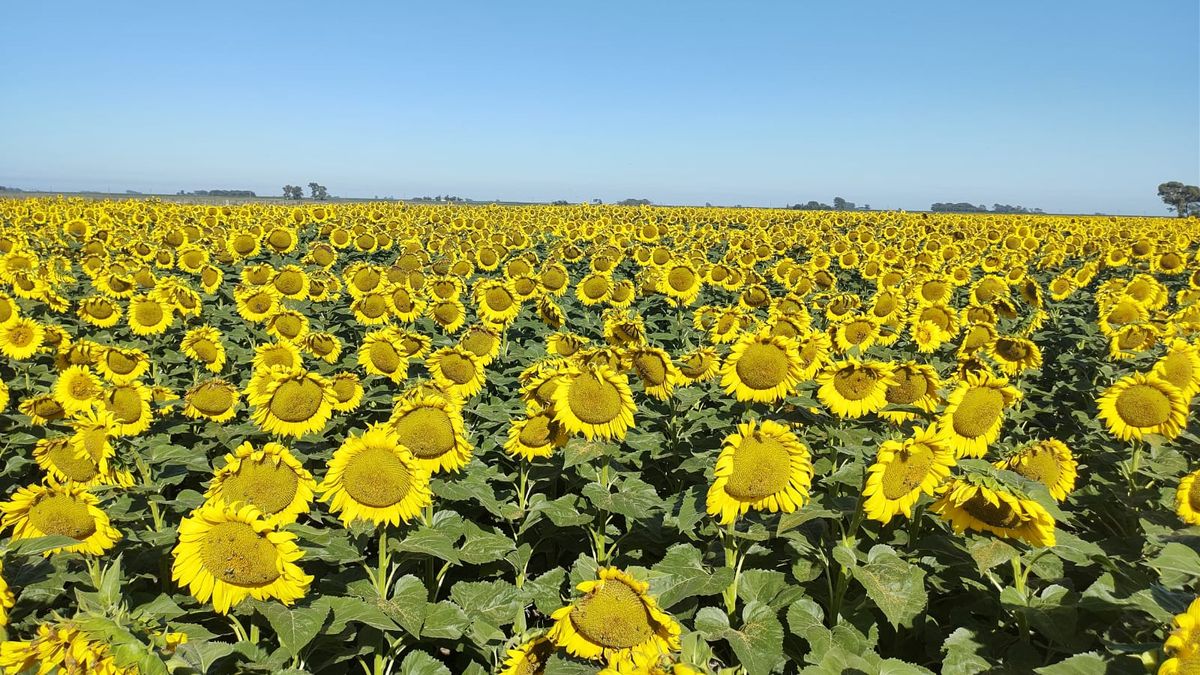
1141	404
654	368
280	353
565	344
67	510
347	390
449	314
59	648
594	401
762	367
763	467
903	471
214	400
268	478
203	344
129	404
483	340
699	365
1015	354
1048	462
1181	367
293	402
372	477
381	355
41	409
529	658
538	434
853	388
615	617
974	502
917	385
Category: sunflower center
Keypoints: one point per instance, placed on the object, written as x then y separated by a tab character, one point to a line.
148	313
978	411
20	335
278	356
402	300
290	282
763	366
297	400
650	368
498	299
535	433
373	306
446	313
234	553
73	465
761	468
593	399
211	399
288	325
1126	312
343	388
855	384
999	515
269	486
377	478
681	279
458	368
385	357
100	310
1143	405
907	470
1040	465
280	239
479	343
1011	350
911	386
205	350
82	388
857	332
64	515
426	431
1177	369
613	616
125	404
595	287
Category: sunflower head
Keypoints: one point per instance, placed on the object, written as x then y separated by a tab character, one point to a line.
978	502
614	617
1141	404
372	477
67	510
761	467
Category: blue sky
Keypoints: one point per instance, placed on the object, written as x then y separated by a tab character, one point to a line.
1068	106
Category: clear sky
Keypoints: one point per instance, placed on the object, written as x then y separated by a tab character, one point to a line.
1076	106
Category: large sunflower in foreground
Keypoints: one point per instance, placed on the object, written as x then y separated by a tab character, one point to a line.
761	367
372	477
60	648
228	553
1183	644
1187	498
854	388
66	509
614	618
20	338
61	458
975	412
975	503
903	471
293	402
268	478
432	429
1141	404
1048	462
762	466
594	401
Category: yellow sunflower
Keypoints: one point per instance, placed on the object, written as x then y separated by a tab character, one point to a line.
292	402
129	404
969	503
655	369
903	471
763	467
449	314
975	412
1181	367
268	478
380	354
432	429
215	400
41	409
1014	355
60	648
280	353
66	509
615	617
496	301
78	389
1048	462
529	658
761	367
853	388
20	338
916	385
99	311
62	460
699	365
1187	499
458	370
483	340
348	390
7	600
593	401
1183	644
147	316
121	365
536	435
1141	404
228	553
372	477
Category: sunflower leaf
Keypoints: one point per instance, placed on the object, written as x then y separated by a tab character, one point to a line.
296	626
418	662
896	586
681	574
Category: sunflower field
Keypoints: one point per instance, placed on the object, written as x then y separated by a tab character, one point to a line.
428	440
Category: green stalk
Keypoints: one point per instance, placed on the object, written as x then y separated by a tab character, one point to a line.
734	562
147	480
381	573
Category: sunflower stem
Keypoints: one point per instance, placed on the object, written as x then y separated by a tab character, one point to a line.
147	480
734	564
381	574
1019	578
522	494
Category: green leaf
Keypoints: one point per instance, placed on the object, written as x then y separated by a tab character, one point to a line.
1177	564
296	626
356	610
563	512
546	590
681	574
712	623
202	655
444	620
758	644
406	606
633	498
896	586
1079	664
496	602
482	547
38	545
763	586
431	542
561	665
420	663
962	654
806	619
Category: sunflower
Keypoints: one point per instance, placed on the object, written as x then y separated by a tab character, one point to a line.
292	402
380	355
975	412
529	658
1183	644
974	503
148	316
449	314
256	305
1187	499
228	553
7	600
623	329
372	477
406	305
99	311
1181	367
77	389
20	338
699	365
458	370
67	510
269	479
857	332
536	435
594	289
63	462
496	301
1014	355
281	353
371	309
550	313
325	346
594	401
348	390
121	365
853	388
917	385
763	467
483	340
654	367
129	404
1048	462
681	283
291	281
288	324
214	400
1141	404
615	617
431	428
565	344
762	367
1133	339
903	471
203	344
41	409
60	648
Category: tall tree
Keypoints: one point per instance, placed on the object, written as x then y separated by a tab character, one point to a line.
1180	198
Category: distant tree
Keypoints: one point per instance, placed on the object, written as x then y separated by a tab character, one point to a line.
839	203
293	192
812	205
635	202
597	201
559	202
1183	199
317	191
957	207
